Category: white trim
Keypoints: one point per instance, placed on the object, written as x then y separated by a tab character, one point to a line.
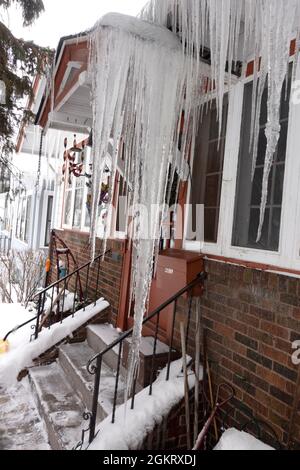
288	255
46	196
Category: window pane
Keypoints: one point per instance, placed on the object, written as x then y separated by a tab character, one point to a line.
78	208
248	196
121	210
211	217
28	215
211	191
48	220
68	202
208	170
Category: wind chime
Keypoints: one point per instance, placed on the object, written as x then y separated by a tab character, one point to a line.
74	161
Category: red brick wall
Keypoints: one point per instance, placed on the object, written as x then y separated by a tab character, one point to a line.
110	272
251	319
171	434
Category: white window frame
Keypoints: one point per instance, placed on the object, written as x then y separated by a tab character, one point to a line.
21	200
288	255
70	226
47	194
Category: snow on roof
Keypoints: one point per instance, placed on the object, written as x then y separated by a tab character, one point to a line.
233	439
143	29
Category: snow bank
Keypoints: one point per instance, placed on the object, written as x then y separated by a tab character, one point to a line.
12	315
233	439
15	361
131	429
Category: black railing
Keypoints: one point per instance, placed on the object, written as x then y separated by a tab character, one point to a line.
94	366
66	296
5	245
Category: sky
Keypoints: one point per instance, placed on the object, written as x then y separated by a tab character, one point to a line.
65	17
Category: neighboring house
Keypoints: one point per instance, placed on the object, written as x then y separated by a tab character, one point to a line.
250	308
28	192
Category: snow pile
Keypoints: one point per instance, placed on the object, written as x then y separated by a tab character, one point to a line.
65	300
233	439
12	363
133	426
21	427
140	89
12	315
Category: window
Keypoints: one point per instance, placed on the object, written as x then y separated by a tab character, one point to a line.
206	182
27	220
78	202
48	220
68	203
248	196
23	219
121	221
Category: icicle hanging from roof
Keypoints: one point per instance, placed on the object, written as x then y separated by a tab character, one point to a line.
139	91
243	30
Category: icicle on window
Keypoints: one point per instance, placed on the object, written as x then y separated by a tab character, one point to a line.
206	184
248	197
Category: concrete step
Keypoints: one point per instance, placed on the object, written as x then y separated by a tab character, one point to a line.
73	359
60	408
101	336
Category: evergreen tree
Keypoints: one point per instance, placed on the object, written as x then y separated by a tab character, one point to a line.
20	61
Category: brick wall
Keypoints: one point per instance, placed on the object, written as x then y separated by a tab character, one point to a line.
251	319
110	272
171	434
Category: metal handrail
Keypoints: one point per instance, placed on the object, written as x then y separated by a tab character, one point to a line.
63	281
18	327
201	277
95	369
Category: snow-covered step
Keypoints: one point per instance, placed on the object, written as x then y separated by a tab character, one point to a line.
60	408
101	336
73	359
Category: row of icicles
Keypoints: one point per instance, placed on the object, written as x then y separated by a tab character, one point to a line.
144	76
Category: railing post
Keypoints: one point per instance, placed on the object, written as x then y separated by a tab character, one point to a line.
37	326
189	319
97	283
117	383
86	287
95	399
154	354
172	340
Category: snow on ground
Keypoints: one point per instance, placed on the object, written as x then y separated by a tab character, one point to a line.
12	315
233	439
22	356
132	426
21	427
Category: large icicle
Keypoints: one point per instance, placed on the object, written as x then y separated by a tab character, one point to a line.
277	29
139	85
